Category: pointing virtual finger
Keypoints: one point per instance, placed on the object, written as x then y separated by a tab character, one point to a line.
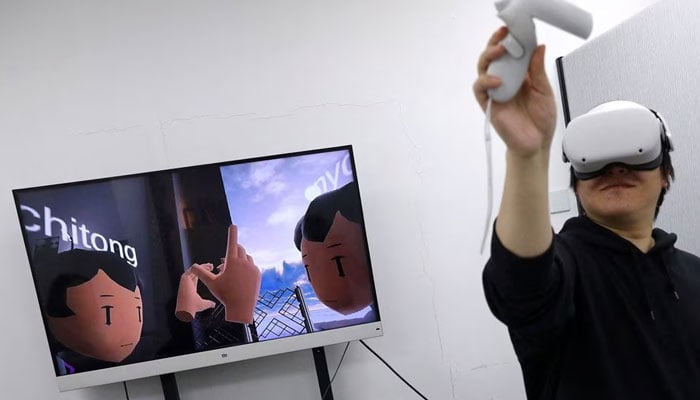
241	252
232	247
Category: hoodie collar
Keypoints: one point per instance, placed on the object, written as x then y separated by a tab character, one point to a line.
584	229
663	240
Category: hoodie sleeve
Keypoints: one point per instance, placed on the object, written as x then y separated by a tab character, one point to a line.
532	296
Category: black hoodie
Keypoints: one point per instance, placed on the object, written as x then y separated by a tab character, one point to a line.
595	318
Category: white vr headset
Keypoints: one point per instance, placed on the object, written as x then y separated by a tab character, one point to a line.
616	132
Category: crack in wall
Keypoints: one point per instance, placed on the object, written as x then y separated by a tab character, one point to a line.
486	366
417	161
108	131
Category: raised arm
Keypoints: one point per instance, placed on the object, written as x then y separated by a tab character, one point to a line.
526	125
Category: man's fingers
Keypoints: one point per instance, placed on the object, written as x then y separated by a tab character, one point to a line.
498	35
481	85
487	56
484	82
536	71
493	49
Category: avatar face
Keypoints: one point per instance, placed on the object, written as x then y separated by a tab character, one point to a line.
107	322
337	268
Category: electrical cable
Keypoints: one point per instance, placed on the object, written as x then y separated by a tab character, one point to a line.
489	175
393	370
325	392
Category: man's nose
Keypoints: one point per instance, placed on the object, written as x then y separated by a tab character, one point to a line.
616	170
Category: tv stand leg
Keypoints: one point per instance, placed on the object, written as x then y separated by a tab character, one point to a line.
324	380
169	384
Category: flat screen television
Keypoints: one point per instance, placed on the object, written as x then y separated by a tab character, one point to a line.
158	272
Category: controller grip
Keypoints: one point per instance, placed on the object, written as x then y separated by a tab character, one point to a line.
511	68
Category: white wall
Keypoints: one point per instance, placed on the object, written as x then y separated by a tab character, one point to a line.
92	89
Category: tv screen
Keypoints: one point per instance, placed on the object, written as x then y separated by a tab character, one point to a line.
163	271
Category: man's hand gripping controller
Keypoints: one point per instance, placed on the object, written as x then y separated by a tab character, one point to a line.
521	41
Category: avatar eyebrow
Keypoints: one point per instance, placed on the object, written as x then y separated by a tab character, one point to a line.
106	295
334	245
137	298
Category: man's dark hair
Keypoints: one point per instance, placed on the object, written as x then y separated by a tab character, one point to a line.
317	220
74	267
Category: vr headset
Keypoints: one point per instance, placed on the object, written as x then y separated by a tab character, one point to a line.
616	132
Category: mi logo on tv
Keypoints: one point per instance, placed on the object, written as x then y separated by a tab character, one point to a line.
224	355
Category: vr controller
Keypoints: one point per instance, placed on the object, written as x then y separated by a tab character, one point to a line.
616	132
521	41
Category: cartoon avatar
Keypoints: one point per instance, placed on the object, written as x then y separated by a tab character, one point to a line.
334	252
94	306
236	285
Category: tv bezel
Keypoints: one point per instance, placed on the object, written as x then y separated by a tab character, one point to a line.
206	358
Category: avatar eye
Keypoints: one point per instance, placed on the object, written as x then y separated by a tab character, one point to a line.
339	264
306	266
138	308
108	315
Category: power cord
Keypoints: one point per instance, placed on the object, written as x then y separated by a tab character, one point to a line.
489	175
325	392
393	370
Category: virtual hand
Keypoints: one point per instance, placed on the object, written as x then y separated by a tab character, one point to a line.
188	300
525	123
237	284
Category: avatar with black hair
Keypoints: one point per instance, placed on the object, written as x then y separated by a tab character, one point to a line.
94	304
333	249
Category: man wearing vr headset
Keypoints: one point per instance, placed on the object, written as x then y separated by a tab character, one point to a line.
607	308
